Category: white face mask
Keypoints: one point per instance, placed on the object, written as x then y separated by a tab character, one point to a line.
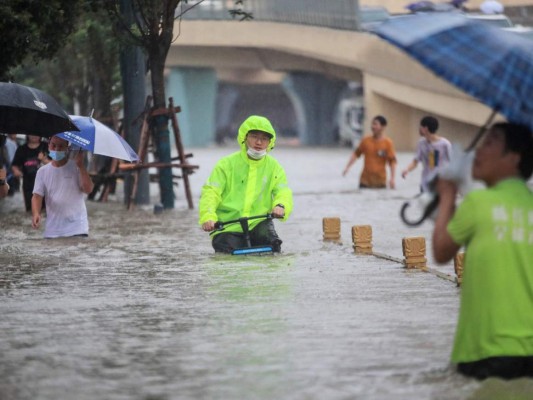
256	155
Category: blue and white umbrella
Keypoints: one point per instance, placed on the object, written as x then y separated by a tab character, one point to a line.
99	139
490	64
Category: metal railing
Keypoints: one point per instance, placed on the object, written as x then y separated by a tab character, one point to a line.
336	14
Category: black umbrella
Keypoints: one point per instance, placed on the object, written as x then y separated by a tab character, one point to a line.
24	109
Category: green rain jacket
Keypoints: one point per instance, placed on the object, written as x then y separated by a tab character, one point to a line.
242	187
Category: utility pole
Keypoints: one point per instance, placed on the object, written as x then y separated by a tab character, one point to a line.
133	72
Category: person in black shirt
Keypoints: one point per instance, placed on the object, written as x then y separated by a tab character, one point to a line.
26	163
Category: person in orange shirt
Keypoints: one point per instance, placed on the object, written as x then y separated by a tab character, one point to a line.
378	150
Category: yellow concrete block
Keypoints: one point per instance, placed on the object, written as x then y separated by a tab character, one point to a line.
458	264
414	251
362	239
331	227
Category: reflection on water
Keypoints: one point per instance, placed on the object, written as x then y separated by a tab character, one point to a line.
143	309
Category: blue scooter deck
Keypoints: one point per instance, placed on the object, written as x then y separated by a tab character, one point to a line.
252	250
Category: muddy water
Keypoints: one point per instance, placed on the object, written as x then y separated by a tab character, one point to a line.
143	309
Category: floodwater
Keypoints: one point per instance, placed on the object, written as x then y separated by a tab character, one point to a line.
143	309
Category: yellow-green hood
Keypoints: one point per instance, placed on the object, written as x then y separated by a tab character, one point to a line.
256	123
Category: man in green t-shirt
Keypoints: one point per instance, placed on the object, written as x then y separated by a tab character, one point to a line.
494	335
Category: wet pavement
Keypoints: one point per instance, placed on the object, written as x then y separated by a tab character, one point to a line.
143	309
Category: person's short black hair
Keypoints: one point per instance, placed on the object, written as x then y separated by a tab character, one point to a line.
518	139
258	131
431	123
381	119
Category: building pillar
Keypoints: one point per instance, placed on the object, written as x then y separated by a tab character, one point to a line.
227	97
315	99
194	90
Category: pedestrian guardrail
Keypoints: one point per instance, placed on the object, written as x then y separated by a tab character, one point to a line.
413	248
338	14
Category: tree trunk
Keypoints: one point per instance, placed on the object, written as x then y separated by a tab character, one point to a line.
161	131
133	71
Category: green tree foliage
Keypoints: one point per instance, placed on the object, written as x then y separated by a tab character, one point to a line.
33	29
153	31
84	72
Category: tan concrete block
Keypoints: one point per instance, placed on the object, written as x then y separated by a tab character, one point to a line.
331	227
414	251
362	239
458	265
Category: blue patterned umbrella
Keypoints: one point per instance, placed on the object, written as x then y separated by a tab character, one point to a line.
490	64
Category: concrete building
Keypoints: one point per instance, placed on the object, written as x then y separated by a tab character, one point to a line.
296	66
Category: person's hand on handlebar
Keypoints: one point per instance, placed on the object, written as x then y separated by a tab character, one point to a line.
278	211
208	226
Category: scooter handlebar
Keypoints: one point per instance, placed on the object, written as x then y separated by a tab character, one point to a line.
219	225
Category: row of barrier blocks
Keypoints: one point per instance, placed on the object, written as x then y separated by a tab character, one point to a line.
414	248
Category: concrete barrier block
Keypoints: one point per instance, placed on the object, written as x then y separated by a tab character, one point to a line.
331	227
362	239
458	263
414	251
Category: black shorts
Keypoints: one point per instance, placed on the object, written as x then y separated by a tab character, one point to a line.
262	234
501	367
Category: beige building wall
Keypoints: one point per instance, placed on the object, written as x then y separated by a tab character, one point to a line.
404	108
396	85
398	6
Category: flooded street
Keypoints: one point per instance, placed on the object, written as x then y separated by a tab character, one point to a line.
143	309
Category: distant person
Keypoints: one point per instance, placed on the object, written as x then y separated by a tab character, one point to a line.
25	165
63	182
459	4
378	151
246	183
4	186
101	165
491	7
494	335
433	151
44	158
11	148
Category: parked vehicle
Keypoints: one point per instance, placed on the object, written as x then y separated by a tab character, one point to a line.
350	116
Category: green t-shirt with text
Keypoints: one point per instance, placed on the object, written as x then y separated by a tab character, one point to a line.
496	309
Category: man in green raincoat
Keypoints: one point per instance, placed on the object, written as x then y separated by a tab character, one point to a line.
247	183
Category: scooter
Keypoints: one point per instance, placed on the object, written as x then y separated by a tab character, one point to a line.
220	225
